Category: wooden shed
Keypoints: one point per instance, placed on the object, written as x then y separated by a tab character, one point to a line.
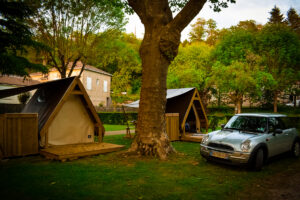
66	118
184	110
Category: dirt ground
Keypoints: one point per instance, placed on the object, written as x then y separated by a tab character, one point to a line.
284	185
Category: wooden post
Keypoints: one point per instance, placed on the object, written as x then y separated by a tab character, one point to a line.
128	135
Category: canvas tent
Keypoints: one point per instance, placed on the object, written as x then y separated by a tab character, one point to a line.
187	105
66	115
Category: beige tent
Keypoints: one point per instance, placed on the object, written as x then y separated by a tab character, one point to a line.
66	114
67	121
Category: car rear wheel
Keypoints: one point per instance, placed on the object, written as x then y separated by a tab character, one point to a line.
296	149
259	160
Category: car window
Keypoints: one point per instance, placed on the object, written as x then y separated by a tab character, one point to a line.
287	122
248	123
275	123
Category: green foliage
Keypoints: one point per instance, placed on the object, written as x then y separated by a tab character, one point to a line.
15	36
191	67
279	48
237	78
117	53
70	28
276	16
293	20
116	118
204	30
235	46
24	97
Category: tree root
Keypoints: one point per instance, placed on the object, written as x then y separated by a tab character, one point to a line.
152	147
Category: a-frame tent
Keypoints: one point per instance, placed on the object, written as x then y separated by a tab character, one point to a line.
187	105
67	119
66	114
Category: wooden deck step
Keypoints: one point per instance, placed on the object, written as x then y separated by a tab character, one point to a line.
192	137
74	151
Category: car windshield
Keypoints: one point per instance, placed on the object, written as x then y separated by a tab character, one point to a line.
248	124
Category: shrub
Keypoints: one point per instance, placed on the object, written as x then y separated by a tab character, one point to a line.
24	97
117	117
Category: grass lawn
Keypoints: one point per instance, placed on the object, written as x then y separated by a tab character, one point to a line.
113	127
113	176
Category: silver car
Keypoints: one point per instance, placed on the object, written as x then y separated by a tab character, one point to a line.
251	139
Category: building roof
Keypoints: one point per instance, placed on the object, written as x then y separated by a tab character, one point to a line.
79	66
17	80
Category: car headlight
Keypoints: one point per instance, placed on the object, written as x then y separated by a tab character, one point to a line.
245	146
205	139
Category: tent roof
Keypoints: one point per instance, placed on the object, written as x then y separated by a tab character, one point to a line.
49	98
170	94
180	101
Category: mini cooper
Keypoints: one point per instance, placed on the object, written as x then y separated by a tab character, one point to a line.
251	139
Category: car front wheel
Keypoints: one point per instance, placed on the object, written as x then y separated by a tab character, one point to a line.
296	149
259	160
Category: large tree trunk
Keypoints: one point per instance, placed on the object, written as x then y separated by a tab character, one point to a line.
158	49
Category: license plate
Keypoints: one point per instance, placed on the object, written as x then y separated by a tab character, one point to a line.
219	154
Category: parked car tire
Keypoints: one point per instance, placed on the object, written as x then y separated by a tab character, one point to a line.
258	161
296	149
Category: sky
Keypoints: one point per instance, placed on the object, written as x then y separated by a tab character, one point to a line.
257	10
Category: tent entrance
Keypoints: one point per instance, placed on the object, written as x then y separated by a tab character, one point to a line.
192	123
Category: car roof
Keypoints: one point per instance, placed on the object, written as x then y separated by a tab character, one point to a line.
261	114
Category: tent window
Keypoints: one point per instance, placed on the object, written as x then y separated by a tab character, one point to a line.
104	86
42	97
88	83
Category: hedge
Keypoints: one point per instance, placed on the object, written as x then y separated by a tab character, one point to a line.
215	121
116	117
230	110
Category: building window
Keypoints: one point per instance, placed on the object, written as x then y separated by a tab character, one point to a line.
104	86
97	81
88	83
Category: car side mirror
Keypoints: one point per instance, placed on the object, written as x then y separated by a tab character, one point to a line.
222	126
277	131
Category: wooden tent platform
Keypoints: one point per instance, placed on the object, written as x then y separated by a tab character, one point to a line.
74	151
192	137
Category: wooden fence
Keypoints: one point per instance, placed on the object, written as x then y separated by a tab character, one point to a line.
18	134
172	126
11	108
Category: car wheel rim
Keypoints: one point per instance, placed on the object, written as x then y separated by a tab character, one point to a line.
297	149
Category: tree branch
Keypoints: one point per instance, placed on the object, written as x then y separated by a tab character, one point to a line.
82	68
139	7
73	65
186	15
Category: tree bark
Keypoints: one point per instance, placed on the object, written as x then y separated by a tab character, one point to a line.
238	103
158	49
275	101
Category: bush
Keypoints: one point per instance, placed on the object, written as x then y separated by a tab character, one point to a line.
116	117
24	97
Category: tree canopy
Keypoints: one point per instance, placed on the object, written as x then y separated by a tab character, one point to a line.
69	27
15	36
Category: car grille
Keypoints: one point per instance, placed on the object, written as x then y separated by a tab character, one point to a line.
220	146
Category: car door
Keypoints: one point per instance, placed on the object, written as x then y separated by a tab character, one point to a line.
287	131
277	143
